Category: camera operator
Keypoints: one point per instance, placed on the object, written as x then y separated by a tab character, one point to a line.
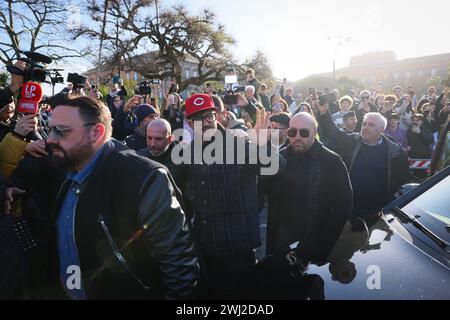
13	88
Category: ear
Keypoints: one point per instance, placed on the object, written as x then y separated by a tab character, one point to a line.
171	138
98	132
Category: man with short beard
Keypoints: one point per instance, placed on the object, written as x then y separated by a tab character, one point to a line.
312	197
112	200
160	143
223	196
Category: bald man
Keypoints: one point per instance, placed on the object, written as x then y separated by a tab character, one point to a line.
316	197
377	164
160	143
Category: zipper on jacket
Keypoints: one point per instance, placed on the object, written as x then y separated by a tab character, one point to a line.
117	253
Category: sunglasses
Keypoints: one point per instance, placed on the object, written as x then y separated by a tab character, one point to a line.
304	133
210	117
60	131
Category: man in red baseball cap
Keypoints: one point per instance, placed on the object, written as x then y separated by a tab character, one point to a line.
201	107
222	195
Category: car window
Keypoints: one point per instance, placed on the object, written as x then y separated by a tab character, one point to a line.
435	201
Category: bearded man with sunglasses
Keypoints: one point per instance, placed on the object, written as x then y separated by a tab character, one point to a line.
118	230
312	198
223	197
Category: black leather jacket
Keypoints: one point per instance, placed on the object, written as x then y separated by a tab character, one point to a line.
131	233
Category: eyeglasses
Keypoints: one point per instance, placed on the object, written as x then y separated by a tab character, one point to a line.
210	117
60	131
304	133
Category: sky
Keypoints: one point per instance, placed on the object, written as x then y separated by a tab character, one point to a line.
300	37
293	33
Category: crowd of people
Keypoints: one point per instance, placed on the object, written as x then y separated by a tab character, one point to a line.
112	212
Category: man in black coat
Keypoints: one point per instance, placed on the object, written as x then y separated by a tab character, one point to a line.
312	197
118	230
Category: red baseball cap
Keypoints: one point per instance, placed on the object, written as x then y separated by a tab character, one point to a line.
197	103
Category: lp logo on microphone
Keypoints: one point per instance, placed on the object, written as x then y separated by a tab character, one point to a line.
30	90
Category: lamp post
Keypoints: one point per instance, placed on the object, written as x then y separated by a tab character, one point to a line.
338	41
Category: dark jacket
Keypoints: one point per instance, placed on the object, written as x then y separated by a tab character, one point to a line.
124	124
348	146
420	143
224	200
136	141
174	116
41	181
12	258
139	206
166	160
311	198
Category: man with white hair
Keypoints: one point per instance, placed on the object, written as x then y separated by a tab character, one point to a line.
317	196
377	164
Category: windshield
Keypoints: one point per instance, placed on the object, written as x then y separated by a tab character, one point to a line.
435	201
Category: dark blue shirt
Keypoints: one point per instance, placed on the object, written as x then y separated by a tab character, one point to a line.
369	177
69	262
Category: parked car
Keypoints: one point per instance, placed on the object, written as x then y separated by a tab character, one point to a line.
402	253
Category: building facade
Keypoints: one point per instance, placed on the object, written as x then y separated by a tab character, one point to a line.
383	66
